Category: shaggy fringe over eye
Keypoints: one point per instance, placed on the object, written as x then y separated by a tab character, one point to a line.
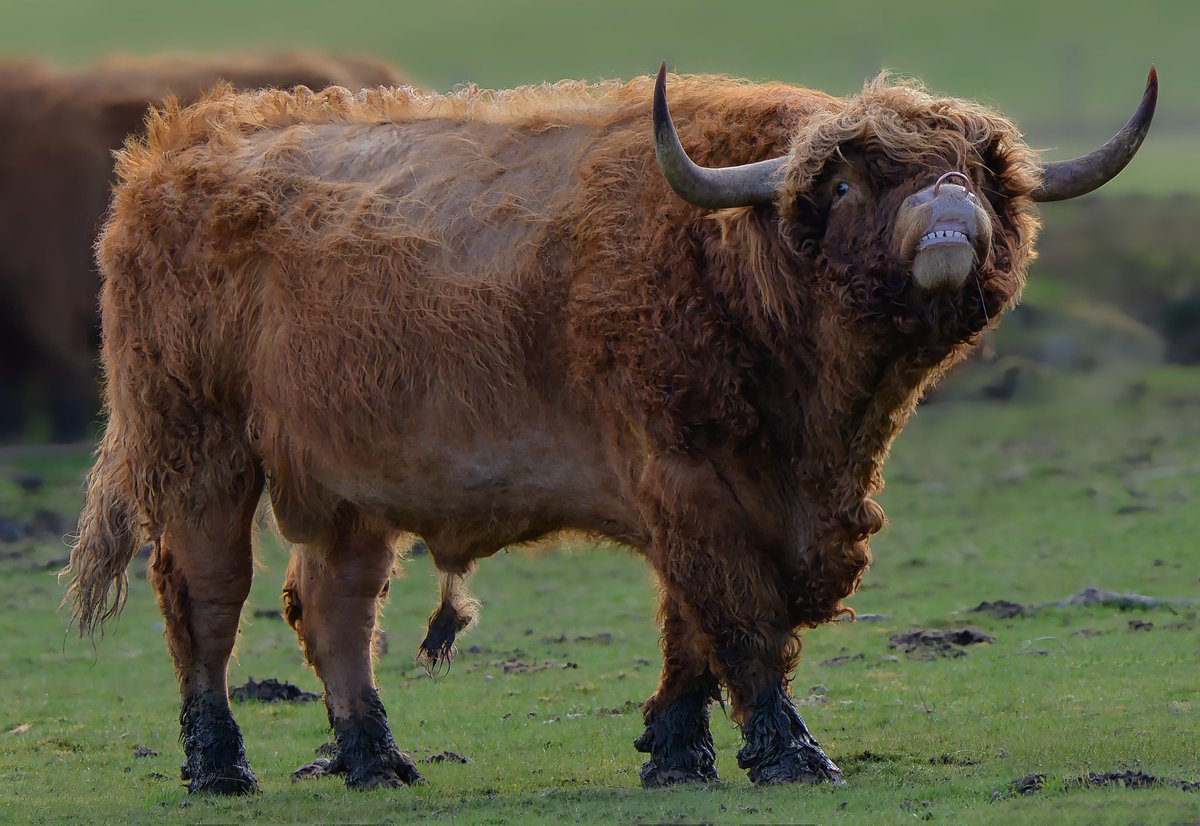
902	119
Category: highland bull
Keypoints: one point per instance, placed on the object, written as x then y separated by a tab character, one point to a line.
487	317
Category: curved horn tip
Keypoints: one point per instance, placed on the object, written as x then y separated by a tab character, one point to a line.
1062	180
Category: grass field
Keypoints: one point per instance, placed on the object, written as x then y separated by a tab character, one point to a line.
1028	502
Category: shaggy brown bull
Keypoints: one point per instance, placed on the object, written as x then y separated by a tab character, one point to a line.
57	134
486	317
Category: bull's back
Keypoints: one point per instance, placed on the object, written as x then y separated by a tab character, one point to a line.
402	294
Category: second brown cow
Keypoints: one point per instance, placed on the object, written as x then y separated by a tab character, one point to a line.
58	130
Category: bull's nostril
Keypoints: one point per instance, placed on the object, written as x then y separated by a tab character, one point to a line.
952	174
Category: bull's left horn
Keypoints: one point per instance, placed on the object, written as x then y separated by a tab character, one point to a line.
731	186
1070	179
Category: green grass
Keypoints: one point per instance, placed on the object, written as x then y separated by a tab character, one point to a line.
1069	74
1026	502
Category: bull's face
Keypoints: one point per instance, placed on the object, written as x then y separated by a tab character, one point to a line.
931	198
937	236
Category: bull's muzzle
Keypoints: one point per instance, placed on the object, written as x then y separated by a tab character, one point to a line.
944	231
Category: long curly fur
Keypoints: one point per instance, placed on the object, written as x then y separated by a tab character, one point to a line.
483	317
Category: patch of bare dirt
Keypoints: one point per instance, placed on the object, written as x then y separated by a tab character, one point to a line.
1113	599
447	757
271	691
1127	779
932	643
1001	609
516	662
44	525
844	658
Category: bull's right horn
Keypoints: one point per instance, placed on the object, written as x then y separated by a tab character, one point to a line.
721	188
1070	179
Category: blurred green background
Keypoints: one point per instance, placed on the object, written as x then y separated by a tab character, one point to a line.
1069	73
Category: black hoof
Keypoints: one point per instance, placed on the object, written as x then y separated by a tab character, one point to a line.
679	744
215	757
365	753
802	764
657	776
395	770
780	749
229	780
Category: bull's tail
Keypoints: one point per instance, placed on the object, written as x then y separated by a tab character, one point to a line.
108	539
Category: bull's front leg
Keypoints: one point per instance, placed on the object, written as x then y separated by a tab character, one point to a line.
677	736
728	587
754	651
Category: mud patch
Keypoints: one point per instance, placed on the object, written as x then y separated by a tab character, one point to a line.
1113	599
1001	609
932	643
44	525
614	711
844	658
1031	783
271	691
518	662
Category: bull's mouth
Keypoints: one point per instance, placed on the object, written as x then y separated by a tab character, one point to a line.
945	233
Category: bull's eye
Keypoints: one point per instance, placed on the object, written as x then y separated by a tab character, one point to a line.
841	189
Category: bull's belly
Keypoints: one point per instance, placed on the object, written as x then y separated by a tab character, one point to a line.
471	491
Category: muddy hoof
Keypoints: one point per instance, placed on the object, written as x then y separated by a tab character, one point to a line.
655	775
680	746
800	764
395	769
236	779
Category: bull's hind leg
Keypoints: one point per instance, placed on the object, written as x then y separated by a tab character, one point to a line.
201	571
331	599
677	735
